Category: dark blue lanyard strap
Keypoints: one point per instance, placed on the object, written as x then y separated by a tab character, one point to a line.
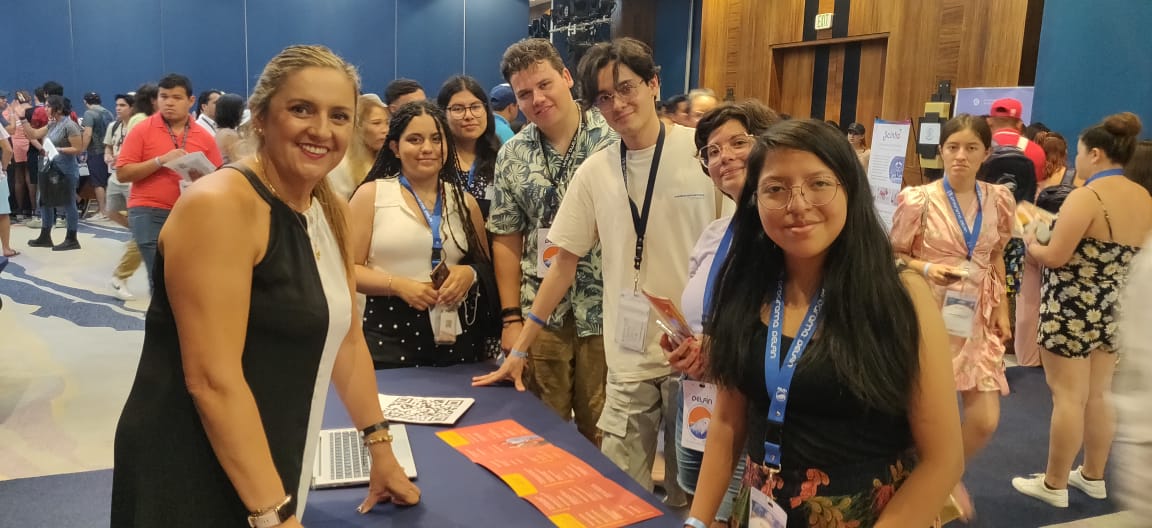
714	272
172	135
1105	174
471	174
640	219
777	377
971	234
434	218
552	201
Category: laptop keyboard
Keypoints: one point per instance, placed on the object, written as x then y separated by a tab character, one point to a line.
349	456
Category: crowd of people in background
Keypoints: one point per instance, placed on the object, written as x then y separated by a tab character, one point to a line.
526	223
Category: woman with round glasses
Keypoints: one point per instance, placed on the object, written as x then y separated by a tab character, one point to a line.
474	133
725	137
953	232
870	436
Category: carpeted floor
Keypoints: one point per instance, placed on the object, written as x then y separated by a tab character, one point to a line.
69	349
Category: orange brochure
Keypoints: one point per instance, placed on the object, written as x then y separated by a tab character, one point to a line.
565	489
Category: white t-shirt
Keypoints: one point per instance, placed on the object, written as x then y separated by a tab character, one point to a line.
699	266
3	137
683	204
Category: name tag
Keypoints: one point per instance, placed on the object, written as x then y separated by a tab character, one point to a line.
490	192
763	512
545	252
632	324
699	399
959	313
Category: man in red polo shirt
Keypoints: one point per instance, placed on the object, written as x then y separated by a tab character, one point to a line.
166	135
1004	120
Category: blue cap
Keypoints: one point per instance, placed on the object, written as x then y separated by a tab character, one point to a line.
502	96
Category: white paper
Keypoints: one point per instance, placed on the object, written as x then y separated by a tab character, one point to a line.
191	166
886	165
423	410
632	321
49	149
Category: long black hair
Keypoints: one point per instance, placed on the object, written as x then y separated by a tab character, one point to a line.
387	165
488	144
869	334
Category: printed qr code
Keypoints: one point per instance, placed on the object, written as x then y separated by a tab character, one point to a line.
425	410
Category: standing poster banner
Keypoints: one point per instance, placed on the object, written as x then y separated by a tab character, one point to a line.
978	101
886	166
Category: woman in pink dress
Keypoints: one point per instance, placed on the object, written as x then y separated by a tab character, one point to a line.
954	231
25	196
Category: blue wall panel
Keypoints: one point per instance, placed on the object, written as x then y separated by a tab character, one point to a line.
490	27
670	46
360	31
1093	62
204	41
115	47
29	60
430	41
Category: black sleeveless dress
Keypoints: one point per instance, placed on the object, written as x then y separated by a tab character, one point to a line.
166	473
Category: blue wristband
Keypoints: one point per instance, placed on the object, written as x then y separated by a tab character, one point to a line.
694	523
532	317
518	354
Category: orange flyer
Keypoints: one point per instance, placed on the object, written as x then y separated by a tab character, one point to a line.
564	488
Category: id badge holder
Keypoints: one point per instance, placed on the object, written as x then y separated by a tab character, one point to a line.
490	192
632	325
959	311
545	252
763	512
699	398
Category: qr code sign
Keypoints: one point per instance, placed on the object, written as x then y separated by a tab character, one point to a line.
419	410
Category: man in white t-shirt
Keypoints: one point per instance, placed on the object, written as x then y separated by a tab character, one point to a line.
646	245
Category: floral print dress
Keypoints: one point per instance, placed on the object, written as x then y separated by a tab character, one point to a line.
1079	299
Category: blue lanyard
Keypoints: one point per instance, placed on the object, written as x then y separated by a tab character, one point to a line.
433	219
777	377
471	174
1105	174
714	272
971	234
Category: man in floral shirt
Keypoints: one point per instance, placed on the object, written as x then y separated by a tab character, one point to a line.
567	369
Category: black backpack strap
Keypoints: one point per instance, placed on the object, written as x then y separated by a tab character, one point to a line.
1069	176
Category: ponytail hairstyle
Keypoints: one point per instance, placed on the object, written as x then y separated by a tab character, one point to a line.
1115	136
387	166
289	61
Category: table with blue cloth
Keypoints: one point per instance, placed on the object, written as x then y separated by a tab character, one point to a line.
455	492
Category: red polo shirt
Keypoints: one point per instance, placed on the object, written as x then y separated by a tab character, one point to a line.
149	140
1034	152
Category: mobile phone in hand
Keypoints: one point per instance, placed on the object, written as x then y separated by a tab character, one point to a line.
439	275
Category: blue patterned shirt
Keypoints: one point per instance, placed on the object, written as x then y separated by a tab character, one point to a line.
524	197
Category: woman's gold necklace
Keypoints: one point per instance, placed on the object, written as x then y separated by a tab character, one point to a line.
307	232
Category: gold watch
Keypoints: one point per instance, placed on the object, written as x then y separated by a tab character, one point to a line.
272	516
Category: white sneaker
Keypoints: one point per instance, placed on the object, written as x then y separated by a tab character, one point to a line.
1034	487
1093	488
59	222
121	288
33	223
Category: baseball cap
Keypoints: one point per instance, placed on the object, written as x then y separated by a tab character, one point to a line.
856	128
1006	107
92	98
502	96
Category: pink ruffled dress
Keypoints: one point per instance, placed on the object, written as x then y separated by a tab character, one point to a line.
925	227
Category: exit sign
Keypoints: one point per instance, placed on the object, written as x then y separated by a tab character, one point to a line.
824	21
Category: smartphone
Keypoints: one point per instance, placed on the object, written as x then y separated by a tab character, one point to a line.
957	274
439	275
674	337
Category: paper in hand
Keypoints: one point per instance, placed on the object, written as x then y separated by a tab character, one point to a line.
191	166
50	151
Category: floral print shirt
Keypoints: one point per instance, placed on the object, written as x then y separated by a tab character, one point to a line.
528	190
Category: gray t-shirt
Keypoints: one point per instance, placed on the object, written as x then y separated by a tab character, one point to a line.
97	118
58	133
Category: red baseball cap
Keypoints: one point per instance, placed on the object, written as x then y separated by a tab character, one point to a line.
1006	107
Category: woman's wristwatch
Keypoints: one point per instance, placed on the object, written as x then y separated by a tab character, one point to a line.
272	516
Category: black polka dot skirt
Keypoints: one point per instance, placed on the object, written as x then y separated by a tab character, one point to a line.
400	336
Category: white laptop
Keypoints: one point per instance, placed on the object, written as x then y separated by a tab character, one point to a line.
342	459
